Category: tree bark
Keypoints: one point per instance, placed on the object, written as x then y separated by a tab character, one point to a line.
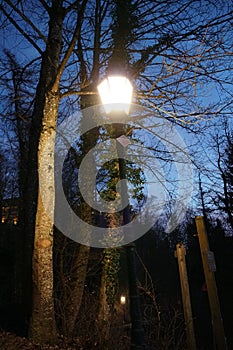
103	320
108	286
43	327
77	288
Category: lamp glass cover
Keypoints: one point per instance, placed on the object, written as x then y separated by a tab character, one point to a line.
116	94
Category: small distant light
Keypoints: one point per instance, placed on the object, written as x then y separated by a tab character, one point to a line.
123	300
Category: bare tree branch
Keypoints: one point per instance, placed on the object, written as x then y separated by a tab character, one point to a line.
27	37
47	8
72	44
26	19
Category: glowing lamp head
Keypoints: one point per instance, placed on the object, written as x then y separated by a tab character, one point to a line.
116	94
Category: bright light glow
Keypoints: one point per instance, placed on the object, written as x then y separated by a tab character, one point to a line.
116	94
123	300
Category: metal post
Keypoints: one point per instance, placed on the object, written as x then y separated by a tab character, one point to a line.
137	331
180	254
209	268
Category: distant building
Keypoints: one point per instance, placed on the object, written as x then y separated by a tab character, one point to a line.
10	211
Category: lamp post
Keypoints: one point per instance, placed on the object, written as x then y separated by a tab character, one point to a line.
116	95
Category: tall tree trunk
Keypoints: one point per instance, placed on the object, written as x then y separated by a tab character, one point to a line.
43	326
77	288
88	141
82	256
103	320
1	186
108	286
22	135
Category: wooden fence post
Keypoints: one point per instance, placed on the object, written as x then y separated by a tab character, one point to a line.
180	254
209	269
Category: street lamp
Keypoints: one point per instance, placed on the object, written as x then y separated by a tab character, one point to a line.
116	95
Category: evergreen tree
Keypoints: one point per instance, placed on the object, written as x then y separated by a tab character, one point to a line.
227	178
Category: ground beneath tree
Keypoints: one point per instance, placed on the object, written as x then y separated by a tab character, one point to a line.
9	341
